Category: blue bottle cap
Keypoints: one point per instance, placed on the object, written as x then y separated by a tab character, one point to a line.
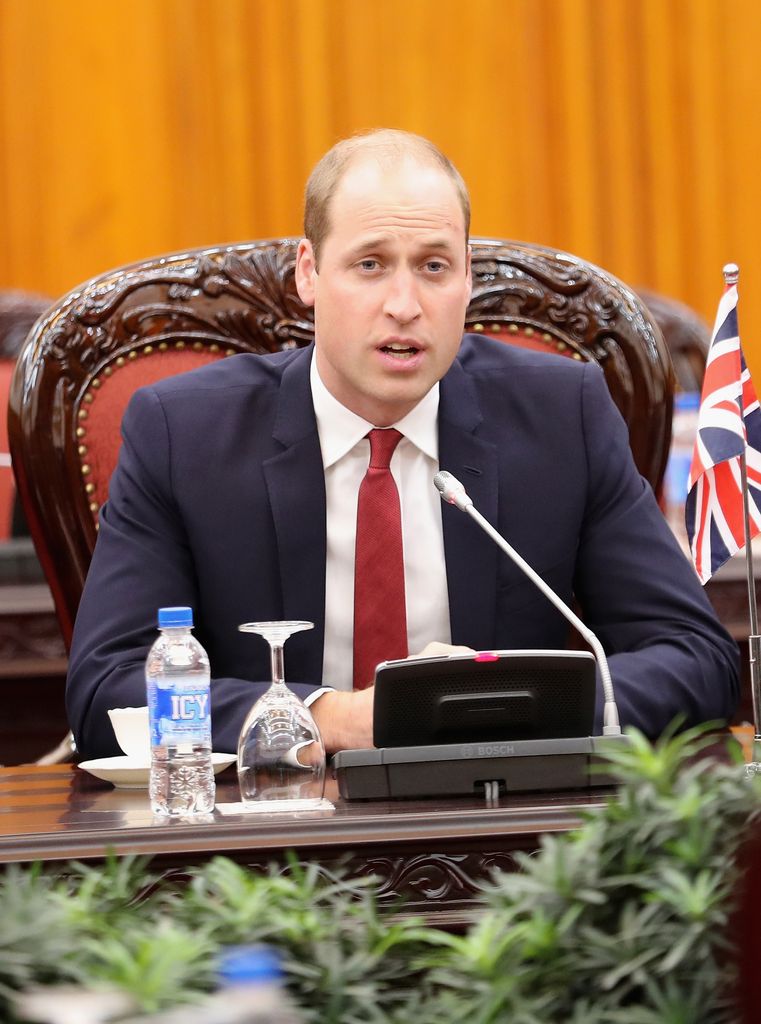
686	401
180	616
247	965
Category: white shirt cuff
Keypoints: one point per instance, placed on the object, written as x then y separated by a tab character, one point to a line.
316	694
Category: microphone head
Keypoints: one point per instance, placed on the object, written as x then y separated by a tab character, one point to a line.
451	490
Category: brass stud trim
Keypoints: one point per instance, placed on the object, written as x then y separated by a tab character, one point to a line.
108	371
513	328
529	332
214	347
477	327
93	506
95	383
89	488
147	350
80	432
132	354
82	449
163	346
197	346
82	414
88	397
496	328
179	344
86	470
230	352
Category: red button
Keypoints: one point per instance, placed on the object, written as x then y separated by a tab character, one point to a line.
486	656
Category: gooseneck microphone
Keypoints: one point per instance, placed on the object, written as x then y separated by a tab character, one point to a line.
453	492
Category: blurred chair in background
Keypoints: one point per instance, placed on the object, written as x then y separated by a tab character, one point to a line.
18	312
687	337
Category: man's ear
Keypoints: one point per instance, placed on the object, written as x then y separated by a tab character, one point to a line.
306	270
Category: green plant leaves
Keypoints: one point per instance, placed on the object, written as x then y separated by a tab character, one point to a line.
623	921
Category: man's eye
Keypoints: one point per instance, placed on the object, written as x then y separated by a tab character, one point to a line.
368	264
435	266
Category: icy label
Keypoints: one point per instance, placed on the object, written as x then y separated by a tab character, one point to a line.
180	716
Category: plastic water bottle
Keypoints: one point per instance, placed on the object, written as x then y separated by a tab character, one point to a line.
251	991
251	988
179	703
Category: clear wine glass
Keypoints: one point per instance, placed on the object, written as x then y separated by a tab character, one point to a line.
281	757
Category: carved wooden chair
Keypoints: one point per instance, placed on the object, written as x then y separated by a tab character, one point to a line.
149	320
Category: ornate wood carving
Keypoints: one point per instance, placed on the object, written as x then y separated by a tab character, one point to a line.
438	877
244	300
33	637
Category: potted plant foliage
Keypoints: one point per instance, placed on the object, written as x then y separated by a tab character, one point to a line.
622	921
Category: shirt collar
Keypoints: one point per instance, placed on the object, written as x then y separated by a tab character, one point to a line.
340	429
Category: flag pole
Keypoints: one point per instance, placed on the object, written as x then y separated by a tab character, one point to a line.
754	640
731	275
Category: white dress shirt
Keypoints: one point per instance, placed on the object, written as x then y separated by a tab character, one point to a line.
345	458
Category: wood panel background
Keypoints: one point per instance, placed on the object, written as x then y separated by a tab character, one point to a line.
625	131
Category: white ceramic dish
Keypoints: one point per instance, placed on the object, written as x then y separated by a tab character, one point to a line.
132	731
127	773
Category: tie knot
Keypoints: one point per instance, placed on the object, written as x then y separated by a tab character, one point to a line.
382	446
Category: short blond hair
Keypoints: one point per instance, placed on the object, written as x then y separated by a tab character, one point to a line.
386	143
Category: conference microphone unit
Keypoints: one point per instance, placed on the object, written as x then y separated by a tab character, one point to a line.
462	691
453	492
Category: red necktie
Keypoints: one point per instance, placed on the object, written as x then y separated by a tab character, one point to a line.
380	613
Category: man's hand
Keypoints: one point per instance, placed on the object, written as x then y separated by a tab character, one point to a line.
345	720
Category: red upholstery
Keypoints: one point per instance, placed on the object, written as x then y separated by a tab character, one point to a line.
526	337
106	399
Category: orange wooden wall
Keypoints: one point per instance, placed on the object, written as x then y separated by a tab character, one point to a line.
625	131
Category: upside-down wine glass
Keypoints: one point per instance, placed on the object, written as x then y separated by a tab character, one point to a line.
281	757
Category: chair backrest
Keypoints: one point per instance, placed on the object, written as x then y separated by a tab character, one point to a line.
149	320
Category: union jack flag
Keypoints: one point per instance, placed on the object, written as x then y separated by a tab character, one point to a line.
729	423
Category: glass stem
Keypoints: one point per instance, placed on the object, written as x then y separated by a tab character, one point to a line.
278	666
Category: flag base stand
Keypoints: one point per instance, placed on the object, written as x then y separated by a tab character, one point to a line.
754	649
753	767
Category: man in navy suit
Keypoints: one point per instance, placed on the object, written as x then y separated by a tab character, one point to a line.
236	489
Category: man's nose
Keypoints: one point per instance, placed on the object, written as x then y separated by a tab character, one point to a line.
402	302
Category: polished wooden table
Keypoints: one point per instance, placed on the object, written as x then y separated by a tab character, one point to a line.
434	854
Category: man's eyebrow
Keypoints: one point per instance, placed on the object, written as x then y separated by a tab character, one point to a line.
439	244
375	243
369	244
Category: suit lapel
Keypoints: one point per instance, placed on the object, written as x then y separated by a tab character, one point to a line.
470	556
296	487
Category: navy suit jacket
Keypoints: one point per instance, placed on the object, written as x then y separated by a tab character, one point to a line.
218	502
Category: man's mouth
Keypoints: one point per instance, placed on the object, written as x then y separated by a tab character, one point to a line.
400	350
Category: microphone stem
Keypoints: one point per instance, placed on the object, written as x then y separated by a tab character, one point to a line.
611	725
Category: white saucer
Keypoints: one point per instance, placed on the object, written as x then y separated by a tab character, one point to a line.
127	773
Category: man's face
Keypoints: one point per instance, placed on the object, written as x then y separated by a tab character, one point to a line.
392	287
